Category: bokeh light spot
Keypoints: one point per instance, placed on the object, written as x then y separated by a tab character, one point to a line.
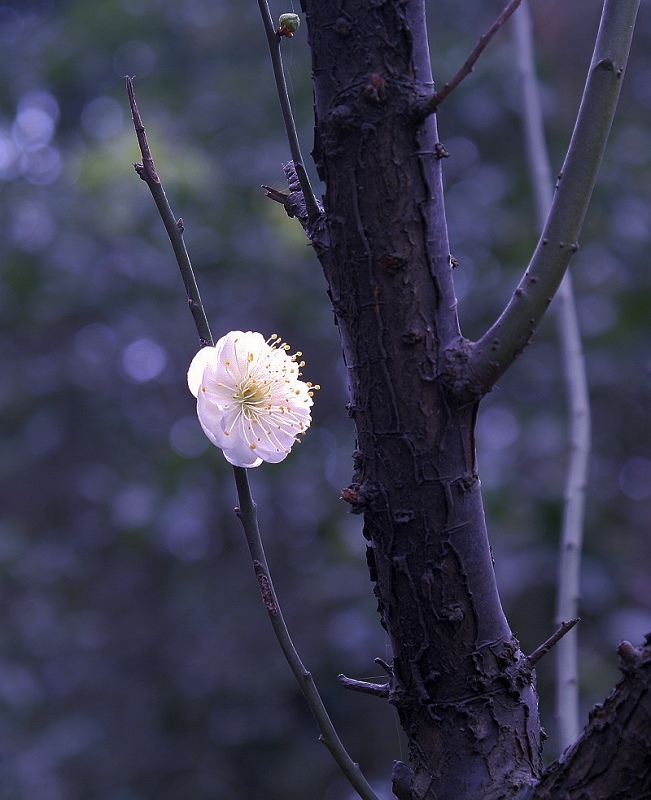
187	438
102	117
143	360
635	478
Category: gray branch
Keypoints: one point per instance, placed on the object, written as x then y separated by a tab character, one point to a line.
498	348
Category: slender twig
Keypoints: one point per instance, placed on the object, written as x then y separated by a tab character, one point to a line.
436	99
248	517
497	349
274	39
364	687
555	638
173	226
246	511
567	684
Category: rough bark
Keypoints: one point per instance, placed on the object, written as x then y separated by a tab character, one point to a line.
462	687
612	758
464	692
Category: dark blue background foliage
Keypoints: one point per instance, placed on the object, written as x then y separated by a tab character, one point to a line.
136	661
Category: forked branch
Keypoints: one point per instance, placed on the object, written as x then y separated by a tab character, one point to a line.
497	349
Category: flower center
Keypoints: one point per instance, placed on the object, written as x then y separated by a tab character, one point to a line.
250	395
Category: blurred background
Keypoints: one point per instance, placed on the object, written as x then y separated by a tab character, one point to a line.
136	660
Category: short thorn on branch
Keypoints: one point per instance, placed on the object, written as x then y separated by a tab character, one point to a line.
294	202
365	687
544	648
274	194
386	667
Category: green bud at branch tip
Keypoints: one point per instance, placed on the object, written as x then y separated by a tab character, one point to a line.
288	25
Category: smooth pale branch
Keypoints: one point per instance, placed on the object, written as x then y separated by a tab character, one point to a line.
251	402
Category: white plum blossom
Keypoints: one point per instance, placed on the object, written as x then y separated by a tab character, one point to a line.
250	400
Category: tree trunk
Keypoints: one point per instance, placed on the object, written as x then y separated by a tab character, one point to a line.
464	691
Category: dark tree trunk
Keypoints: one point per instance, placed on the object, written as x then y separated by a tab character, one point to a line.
612	758
464	691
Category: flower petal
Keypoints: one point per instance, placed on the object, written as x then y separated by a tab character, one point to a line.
204	357
236	461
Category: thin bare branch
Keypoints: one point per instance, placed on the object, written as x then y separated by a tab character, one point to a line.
246	511
274	39
365	687
545	647
247	515
435	101
173	226
497	349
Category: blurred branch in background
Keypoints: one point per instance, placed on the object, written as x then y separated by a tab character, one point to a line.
567	689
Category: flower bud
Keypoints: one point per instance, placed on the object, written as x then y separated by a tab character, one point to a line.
288	24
